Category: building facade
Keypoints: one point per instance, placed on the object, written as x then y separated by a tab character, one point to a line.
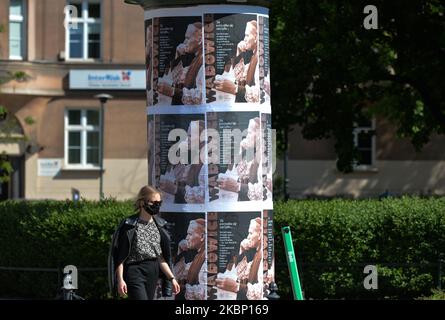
390	166
71	54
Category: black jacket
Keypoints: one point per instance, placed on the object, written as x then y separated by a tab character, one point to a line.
120	250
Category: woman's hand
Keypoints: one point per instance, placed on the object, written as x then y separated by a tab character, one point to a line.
228	184
168	186
122	288
176	287
182	246
244	246
227	284
181	49
225	86
242	47
165	89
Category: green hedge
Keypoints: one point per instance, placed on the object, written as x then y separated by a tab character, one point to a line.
333	241
53	234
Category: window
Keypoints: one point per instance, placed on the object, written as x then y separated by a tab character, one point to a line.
16	30
364	140
83	37
82	138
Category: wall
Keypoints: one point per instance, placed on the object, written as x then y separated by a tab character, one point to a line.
321	178
122	31
4	36
398	168
125	152
388	146
122	179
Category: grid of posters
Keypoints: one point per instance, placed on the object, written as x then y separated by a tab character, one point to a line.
210	146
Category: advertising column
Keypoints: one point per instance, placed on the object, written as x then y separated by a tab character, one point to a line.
210	145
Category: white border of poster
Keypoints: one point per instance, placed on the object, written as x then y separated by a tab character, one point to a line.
206	108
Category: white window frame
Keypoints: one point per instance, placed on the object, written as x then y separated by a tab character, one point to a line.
356	131
85	21
83	128
21	20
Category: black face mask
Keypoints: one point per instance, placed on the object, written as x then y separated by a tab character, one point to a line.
154	208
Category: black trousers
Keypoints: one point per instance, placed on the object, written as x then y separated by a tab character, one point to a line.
141	279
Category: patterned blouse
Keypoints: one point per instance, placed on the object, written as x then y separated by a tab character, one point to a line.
146	242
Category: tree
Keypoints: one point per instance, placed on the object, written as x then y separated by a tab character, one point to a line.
338	72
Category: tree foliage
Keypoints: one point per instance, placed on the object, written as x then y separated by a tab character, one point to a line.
328	71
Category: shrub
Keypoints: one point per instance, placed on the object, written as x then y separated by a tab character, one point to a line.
333	240
435	295
52	234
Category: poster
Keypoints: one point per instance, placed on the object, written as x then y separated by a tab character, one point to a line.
149	59
178	66
231	50
235	175
235	270
264	60
153	148
268	250
210	146
267	156
181	174
189	256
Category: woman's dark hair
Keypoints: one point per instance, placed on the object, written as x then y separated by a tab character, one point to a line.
145	194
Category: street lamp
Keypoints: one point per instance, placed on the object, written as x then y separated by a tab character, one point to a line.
103	98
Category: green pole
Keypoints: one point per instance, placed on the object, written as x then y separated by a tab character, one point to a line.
292	263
